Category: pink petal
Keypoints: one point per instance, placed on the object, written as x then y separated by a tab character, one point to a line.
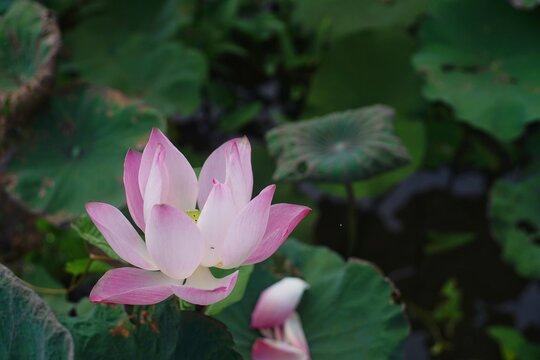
132	286
278	302
294	332
267	349
174	241
157	188
134	198
229	164
182	179
281	222
237	177
120	234
202	288
214	221
247	229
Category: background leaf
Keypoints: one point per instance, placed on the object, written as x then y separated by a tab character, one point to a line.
480	57
161	333
513	344
128	46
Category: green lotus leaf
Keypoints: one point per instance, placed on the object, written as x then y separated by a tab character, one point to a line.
347	313
412	134
346	146
29	43
515	223
481	58
159	333
28	327
348	16
129	46
75	152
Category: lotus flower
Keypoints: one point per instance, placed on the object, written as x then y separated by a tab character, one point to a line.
228	230
275	317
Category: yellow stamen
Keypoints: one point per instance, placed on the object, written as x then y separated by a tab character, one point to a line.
194	214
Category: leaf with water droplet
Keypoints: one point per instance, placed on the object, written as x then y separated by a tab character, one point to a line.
75	152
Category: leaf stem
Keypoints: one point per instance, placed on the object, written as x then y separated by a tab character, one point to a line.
352	216
75	283
43	290
424	317
100	257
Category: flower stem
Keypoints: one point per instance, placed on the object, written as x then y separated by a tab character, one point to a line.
352	216
75	282
46	291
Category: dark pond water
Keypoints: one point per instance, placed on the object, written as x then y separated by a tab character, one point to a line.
393	232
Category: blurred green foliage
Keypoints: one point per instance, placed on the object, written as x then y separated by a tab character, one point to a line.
515	221
442	242
344	17
513	345
449	311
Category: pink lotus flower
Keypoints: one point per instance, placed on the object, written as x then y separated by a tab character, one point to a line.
181	243
280	325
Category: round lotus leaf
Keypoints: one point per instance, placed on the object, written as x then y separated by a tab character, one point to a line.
28	327
75	152
481	57
413	136
515	223
344	146
347	313
29	44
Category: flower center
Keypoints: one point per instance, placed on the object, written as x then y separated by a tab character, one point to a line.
194	214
